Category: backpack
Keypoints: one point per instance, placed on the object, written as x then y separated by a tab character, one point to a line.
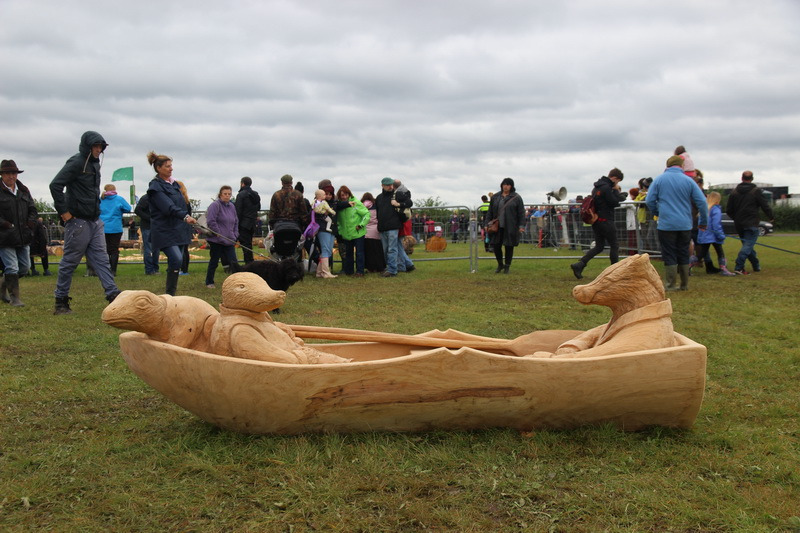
588	213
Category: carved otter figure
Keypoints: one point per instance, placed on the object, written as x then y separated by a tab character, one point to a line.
244	328
641	318
181	320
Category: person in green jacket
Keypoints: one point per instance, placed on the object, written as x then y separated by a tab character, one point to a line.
352	222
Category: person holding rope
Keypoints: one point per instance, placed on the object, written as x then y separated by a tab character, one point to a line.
743	205
224	224
169	214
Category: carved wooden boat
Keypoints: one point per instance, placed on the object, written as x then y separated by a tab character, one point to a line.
391	387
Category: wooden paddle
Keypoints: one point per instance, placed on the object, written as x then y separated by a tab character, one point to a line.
522	345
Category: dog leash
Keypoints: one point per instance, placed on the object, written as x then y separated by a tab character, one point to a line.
767	246
209	230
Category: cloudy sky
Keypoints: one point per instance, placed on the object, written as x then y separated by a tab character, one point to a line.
449	96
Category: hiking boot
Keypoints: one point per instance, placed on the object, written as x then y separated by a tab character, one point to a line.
577	269
113	296
62	306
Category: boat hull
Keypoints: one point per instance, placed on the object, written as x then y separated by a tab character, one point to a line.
424	390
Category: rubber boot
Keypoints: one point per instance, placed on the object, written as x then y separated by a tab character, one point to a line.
4	291
723	267
577	269
670	275
326	271
12	282
172	281
62	306
683	270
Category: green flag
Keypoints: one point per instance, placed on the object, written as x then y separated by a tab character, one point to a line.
123	174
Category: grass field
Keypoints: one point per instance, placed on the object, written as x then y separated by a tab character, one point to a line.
86	446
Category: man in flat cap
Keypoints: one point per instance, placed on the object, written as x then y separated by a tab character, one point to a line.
670	198
388	210
288	204
17	222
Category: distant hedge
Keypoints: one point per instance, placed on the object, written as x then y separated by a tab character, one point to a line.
787	217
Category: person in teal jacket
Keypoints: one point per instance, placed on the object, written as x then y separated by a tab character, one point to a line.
112	206
352	222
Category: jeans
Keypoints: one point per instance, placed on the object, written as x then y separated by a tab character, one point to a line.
84	237
16	259
749	237
218	251
325	244
150	256
174	257
675	246
604	233
356	245
403	261
389	242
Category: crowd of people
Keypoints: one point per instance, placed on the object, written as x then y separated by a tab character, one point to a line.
369	231
687	223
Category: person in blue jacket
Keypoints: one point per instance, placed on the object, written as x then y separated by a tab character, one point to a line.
670	198
713	236
112	206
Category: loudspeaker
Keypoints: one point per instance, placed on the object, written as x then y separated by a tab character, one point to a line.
559	195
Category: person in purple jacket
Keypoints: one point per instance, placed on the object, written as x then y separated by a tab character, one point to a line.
223	222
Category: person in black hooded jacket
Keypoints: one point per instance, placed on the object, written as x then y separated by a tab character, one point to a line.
248	203
607	197
743	205
79	209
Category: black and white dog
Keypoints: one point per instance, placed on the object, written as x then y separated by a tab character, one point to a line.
279	275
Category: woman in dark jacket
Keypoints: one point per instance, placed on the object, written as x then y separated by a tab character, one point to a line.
169	217
506	206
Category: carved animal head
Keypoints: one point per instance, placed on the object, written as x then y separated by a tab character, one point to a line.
136	310
632	280
249	292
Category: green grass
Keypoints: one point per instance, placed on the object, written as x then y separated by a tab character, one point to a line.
86	446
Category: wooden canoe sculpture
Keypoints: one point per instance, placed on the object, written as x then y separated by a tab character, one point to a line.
634	371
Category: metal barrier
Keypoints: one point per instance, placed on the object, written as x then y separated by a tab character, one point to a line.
560	228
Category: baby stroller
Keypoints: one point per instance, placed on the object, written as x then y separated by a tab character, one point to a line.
286	240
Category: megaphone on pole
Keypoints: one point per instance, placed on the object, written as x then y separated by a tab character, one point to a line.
559	195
